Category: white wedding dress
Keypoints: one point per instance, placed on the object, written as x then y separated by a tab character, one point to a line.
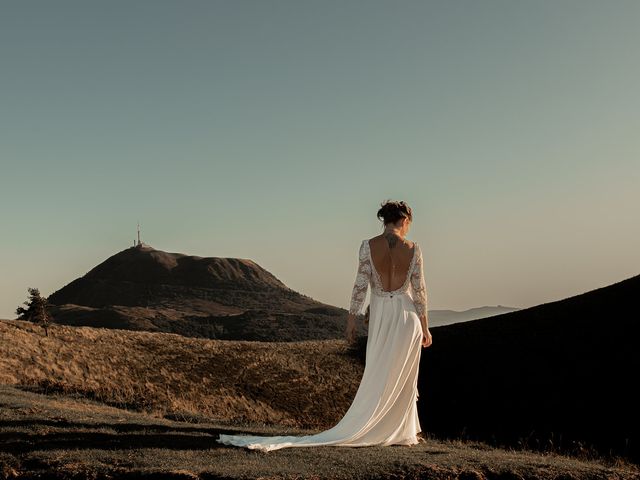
384	409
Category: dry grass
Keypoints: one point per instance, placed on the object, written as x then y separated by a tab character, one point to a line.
55	436
303	384
276	388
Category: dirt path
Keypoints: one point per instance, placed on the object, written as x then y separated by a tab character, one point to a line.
56	436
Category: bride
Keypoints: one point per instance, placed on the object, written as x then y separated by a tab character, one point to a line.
384	410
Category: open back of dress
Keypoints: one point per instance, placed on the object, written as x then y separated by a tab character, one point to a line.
392	265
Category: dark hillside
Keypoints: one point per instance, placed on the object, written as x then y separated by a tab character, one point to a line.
560	374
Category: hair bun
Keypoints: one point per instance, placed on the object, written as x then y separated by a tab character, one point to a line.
391	211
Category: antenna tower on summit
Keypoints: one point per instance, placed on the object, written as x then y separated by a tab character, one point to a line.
140	243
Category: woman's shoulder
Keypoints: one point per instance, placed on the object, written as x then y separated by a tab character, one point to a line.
372	240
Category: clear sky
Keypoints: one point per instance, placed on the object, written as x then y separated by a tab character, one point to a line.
272	130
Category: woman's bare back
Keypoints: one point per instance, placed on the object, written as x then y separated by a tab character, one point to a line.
391	257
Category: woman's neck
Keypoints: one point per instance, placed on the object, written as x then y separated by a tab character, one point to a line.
392	231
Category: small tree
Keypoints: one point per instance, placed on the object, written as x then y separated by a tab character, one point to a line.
36	310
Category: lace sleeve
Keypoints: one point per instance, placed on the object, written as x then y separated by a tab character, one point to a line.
361	283
418	285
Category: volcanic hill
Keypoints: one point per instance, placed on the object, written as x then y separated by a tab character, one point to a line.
142	288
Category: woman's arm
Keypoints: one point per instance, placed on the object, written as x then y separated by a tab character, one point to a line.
420	290
359	291
361	283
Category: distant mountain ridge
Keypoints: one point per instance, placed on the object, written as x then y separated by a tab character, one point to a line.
439	318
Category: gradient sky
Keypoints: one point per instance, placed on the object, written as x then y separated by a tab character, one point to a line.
273	130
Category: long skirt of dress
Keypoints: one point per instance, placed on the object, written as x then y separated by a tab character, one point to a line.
384	409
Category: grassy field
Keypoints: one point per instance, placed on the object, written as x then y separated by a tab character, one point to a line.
302	384
59	436
100	403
